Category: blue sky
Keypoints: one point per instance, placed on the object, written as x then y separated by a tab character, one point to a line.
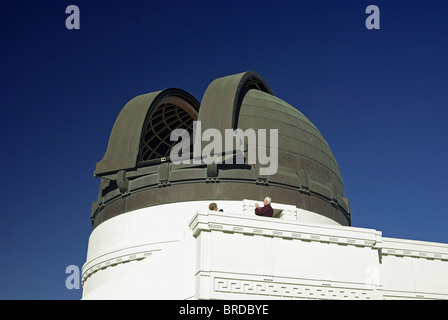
379	97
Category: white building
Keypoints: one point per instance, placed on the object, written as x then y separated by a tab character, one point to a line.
175	251
154	237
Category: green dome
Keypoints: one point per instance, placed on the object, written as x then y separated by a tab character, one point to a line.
137	172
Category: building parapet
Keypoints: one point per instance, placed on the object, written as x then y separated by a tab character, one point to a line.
284	228
243	256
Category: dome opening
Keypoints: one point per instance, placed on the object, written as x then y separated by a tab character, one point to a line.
254	83
170	113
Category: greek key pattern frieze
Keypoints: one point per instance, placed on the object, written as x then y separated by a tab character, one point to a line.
286	290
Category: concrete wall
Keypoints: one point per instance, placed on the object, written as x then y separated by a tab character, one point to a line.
177	252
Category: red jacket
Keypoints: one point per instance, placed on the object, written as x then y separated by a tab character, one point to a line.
266	211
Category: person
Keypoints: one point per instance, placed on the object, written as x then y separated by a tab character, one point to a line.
267	210
213	207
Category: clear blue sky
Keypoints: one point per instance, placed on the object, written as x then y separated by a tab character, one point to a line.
379	97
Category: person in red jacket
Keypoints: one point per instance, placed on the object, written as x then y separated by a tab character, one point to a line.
266	211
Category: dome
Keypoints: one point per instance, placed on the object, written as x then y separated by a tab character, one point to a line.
308	175
137	171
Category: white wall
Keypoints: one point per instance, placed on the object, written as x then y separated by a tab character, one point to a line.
244	257
184	251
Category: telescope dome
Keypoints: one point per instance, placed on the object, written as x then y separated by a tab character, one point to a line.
137	170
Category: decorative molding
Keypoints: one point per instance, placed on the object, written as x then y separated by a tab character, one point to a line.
414	254
288	290
207	221
112	263
400	295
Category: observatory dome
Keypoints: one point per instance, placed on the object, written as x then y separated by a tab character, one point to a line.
137	172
